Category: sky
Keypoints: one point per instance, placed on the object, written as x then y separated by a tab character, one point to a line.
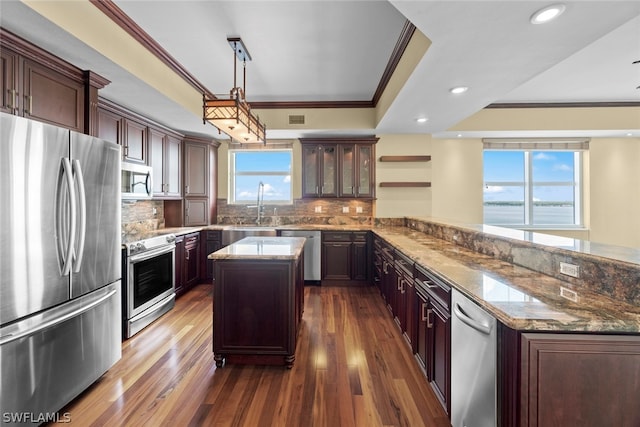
276	187
548	166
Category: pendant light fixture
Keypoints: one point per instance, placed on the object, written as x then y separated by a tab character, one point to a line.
233	115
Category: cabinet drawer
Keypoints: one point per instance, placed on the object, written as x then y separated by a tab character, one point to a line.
434	287
191	239
359	236
404	264
336	236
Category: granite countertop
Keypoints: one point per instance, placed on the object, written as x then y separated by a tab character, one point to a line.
261	248
520	298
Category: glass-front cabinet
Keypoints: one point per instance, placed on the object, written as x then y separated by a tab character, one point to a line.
320	164
356	177
338	167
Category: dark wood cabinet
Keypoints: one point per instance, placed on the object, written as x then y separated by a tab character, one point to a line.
258	305
9	81
40	86
187	265
199	182
192	259
377	264
338	167
165	157
39	92
403	313
356	165
388	277
568	379
210	241
179	265
345	257
134	142
109	126
319	170
432	313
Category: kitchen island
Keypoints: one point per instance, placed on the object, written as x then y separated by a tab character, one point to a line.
258	300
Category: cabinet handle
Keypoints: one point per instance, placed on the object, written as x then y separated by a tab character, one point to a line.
424	313
12	99
186	255
399	284
429	318
126	151
29	103
429	285
402	285
186	188
385	267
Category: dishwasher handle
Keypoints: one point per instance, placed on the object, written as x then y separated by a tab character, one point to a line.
465	318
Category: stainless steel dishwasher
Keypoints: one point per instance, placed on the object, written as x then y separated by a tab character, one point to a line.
312	254
473	364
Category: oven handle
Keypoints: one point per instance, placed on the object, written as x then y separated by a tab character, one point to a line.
150	254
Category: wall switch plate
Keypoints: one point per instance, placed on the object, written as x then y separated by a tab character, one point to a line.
358	209
569	269
345	209
318	209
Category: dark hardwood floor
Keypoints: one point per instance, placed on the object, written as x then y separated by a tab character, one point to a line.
352	368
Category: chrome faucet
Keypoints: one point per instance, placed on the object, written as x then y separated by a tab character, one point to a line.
260	204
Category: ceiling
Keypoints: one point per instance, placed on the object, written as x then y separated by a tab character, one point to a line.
331	51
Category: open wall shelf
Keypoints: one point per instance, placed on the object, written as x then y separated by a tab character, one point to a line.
405	184
405	158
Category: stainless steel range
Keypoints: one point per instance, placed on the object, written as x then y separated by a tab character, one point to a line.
149	281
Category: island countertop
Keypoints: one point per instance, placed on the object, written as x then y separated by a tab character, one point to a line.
262	247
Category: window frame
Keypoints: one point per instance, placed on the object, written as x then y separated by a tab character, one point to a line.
233	174
528	184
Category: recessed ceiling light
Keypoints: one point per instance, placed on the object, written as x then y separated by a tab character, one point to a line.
421	120
547	14
629	134
458	89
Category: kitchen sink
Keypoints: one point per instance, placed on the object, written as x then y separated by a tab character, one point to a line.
233	234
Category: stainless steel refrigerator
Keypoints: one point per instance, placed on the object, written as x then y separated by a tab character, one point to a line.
60	266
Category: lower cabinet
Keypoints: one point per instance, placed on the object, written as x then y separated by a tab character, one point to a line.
568	379
432	310
345	257
187	265
210	241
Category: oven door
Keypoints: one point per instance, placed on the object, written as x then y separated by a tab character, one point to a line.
150	279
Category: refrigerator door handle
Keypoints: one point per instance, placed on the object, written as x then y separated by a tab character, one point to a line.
71	234
82	306
82	198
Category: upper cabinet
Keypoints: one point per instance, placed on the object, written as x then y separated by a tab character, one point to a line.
165	157
338	167
37	85
319	170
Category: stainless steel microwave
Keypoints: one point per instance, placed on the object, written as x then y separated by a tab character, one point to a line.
136	181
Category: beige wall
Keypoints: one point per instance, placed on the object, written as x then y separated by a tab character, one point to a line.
457	179
615	191
398	202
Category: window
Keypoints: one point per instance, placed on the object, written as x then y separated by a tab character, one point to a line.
533	188
248	168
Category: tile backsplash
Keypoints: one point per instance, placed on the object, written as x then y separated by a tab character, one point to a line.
140	216
302	211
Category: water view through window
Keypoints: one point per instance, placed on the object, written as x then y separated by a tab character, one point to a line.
535	188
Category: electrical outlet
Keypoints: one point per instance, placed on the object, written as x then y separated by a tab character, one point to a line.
318	209
569	269
568	294
358	209
345	209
